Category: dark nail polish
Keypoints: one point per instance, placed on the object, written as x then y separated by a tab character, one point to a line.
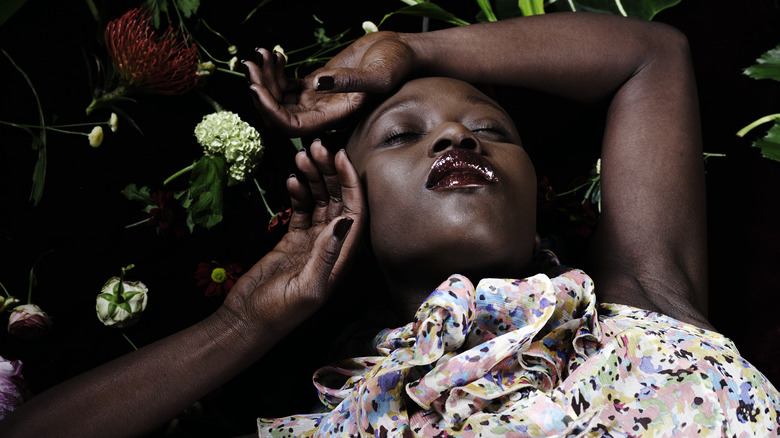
292	175
342	228
325	83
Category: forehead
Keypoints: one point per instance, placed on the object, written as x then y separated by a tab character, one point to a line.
430	94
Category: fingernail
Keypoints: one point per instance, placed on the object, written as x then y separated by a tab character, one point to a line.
292	175
325	83
342	228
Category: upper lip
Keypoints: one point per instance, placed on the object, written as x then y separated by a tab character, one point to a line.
460	160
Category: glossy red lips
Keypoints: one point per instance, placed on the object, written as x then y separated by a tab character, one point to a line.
460	168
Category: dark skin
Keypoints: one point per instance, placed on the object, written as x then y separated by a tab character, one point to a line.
649	250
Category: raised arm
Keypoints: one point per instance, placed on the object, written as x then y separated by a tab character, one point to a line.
139	392
650	248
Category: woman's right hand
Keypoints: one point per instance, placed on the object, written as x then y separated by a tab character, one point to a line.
375	63
292	281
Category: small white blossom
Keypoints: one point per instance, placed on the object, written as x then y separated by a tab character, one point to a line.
113	122
370	27
232	63
278	48
96	136
115	309
224	133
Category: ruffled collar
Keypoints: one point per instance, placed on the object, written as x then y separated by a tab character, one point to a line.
469	351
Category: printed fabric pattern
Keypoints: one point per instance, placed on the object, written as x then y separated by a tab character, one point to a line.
538	358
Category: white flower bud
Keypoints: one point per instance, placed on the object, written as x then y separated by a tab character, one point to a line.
278	48
113	122
232	63
96	137
370	27
121	308
232	49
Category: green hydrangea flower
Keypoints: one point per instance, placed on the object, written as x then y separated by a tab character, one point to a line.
224	133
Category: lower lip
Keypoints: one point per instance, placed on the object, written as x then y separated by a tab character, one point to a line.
460	180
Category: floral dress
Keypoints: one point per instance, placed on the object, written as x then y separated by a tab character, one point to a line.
539	357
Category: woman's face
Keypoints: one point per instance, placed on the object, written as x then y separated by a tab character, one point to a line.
448	186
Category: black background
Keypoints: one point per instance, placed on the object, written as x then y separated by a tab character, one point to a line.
82	215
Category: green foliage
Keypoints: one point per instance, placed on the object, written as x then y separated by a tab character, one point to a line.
133	193
767	66
158	8
770	144
430	10
8	8
531	7
207	184
644	9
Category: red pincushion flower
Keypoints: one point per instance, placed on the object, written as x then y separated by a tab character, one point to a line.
216	277
146	62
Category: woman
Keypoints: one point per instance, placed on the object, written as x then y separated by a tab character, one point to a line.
450	190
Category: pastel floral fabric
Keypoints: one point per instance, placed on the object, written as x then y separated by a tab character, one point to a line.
536	358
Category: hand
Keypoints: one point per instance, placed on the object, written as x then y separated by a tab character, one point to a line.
375	63
292	281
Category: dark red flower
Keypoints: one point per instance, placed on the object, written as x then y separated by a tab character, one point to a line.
217	278
165	64
279	220
169	216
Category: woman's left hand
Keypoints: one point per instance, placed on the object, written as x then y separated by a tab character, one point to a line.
374	63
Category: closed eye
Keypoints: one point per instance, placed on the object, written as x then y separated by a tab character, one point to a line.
400	137
491	132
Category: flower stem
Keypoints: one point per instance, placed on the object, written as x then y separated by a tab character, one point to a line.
128	340
225	70
262	196
760	121
214	104
178	174
5	290
136	223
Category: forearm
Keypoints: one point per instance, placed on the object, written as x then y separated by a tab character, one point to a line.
576	55
141	391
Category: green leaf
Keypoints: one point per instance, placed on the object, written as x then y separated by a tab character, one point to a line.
531	7
429	10
770	144
485	6
767	66
252	12
8	8
156	8
133	193
644	9
207	184
188	7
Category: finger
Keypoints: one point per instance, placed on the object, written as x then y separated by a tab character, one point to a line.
351	187
317	187
376	78
272	110
324	160
321	267
268	77
300	204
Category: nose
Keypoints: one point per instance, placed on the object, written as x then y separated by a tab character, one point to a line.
453	135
